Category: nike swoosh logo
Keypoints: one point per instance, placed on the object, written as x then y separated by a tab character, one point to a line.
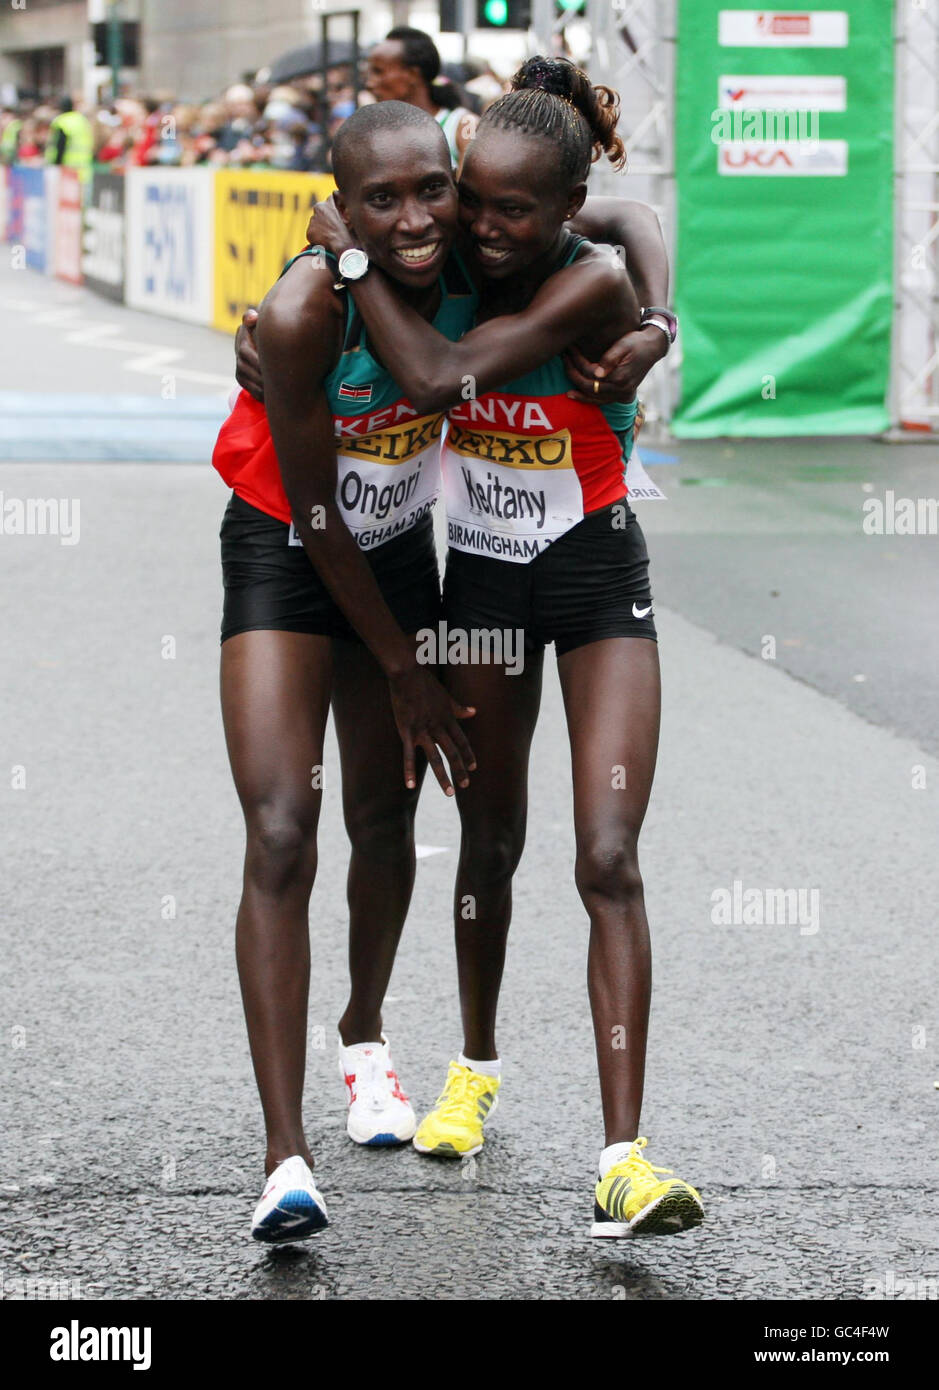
641	612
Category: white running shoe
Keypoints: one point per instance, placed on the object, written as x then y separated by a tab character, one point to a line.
380	1113
291	1207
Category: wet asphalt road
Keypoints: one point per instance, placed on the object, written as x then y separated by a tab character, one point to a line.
792	1071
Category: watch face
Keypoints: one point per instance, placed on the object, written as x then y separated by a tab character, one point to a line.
353	264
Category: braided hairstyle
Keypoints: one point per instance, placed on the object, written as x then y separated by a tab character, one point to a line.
553	98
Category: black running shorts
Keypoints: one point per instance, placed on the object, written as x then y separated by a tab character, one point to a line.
270	584
590	584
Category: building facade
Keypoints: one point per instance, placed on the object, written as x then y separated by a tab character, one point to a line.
190	51
44	46
195	51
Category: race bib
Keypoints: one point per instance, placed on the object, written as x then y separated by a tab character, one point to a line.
388	480
640	486
509	495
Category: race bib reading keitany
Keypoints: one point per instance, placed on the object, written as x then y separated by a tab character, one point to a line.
508	494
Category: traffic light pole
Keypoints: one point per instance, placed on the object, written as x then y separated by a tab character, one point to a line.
542	23
458	17
115	48
466	10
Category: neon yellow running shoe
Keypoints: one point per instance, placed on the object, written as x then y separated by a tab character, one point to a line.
632	1201
454	1128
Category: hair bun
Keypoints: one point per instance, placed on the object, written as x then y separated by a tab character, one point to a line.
536	105
552	75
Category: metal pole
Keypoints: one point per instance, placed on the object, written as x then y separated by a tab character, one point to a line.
467	24
542	24
115	48
896	328
913	397
324	66
634	44
324	87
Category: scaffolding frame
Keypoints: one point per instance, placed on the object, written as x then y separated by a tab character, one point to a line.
914	377
633	45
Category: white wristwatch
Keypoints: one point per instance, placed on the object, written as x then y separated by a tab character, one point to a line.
352	266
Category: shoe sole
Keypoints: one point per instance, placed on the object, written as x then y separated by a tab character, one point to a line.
305	1216
446	1150
385	1140
670	1214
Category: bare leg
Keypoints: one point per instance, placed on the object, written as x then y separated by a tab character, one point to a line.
379	813
275	698
493	811
612	699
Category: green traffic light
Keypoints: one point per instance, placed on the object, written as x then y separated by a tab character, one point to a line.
570	4
496	11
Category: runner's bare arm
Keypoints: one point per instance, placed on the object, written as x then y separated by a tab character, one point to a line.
593	294
247	366
635	227
623	367
297	340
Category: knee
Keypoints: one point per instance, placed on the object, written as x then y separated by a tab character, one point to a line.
281	851
490	855
607	870
381	833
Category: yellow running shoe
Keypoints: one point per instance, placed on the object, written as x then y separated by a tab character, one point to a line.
454	1128
632	1201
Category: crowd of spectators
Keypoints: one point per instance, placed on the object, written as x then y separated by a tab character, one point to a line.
250	126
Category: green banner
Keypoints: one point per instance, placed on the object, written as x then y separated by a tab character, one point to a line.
784	163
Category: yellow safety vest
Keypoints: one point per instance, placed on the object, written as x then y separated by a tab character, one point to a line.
79	145
9	142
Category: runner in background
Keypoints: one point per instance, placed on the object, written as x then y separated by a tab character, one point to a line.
405	66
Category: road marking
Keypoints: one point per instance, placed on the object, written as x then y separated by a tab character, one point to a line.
149	359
